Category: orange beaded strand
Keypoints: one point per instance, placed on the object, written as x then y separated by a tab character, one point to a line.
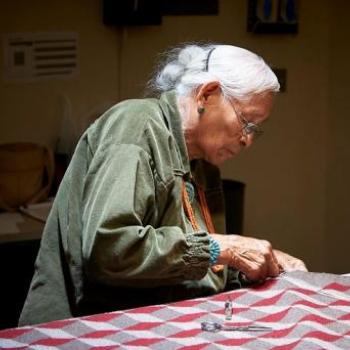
204	209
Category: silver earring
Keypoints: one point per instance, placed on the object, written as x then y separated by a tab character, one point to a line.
200	110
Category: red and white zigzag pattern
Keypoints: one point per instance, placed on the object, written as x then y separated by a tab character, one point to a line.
305	310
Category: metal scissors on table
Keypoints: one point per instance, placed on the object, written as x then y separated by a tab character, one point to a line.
216	327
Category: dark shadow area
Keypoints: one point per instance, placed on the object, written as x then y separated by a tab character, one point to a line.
234	205
16	268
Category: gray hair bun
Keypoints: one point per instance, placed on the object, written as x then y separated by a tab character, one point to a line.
179	62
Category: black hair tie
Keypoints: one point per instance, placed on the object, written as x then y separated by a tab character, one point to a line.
207	60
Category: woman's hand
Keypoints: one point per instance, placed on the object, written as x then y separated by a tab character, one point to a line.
288	262
254	257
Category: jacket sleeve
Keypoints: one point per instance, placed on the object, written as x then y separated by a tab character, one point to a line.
119	246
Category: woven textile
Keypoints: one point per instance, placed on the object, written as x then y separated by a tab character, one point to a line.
305	310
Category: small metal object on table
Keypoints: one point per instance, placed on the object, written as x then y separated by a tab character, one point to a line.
216	327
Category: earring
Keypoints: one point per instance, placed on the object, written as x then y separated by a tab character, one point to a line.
200	110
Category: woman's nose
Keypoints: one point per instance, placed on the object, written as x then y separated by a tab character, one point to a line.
246	140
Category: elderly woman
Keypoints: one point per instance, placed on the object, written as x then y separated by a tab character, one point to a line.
138	216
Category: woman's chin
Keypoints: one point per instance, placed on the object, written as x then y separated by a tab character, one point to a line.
223	156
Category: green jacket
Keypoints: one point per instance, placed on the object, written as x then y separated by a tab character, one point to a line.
117	236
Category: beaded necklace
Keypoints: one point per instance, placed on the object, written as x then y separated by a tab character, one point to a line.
203	205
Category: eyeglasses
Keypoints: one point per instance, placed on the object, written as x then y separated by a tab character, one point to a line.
248	128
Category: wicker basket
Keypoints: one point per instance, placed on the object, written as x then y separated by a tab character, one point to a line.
26	174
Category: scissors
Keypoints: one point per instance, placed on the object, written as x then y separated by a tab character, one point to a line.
216	327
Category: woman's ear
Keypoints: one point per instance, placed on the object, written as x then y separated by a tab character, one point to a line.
207	90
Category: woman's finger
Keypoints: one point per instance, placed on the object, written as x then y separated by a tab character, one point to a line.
252	263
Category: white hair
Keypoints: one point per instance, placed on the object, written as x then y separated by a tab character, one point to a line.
240	72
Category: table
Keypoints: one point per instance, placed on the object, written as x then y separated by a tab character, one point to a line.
306	311
17	227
